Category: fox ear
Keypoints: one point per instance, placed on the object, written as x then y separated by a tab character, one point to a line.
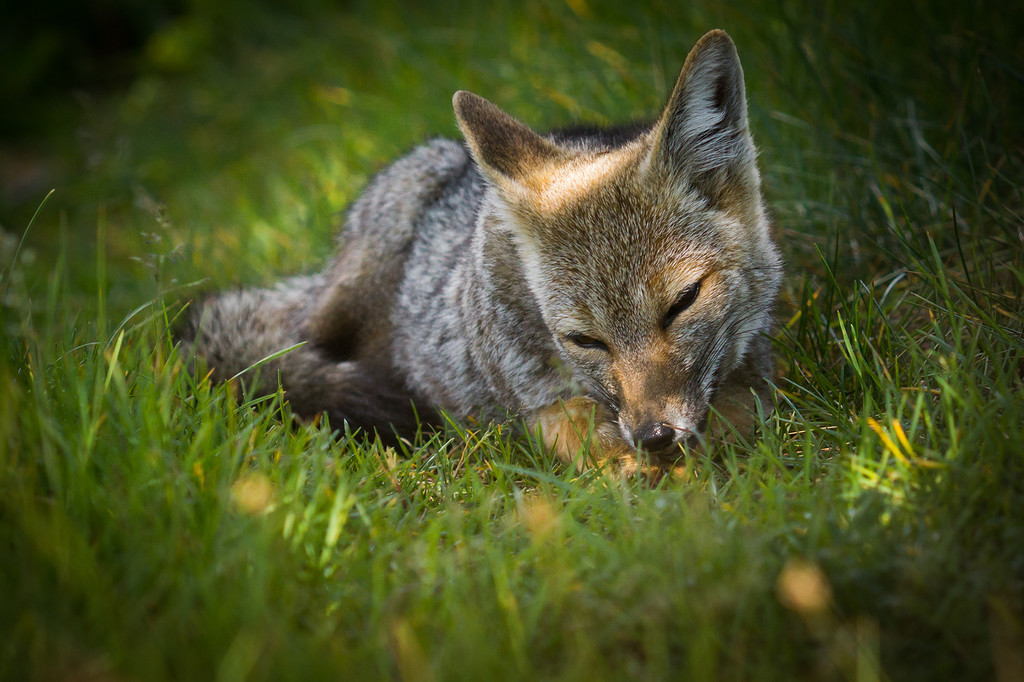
503	147
702	134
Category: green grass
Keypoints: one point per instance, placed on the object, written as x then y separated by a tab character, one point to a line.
156	527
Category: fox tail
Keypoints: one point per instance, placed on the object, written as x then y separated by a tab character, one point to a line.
260	337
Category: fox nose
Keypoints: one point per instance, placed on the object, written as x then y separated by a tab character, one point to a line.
655	437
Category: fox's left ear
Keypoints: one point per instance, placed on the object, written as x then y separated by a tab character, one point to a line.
509	152
702	134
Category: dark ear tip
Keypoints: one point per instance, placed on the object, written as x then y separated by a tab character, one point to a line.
716	44
715	35
465	102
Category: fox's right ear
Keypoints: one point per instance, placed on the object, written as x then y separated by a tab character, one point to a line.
506	150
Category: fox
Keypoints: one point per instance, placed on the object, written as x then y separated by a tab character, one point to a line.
611	287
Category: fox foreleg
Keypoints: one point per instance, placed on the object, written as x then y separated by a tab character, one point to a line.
581	432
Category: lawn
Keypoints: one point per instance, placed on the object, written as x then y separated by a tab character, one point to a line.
156	527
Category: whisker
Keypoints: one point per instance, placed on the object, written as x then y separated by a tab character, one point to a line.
725	332
603	396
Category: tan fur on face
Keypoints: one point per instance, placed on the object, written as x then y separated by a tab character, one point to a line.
558	187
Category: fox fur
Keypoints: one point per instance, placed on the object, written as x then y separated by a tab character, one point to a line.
618	280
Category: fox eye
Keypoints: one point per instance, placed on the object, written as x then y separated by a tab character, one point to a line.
685	300
584	341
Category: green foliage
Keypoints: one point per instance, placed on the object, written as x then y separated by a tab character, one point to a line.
154	526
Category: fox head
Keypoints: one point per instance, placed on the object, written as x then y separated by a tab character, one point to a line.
651	260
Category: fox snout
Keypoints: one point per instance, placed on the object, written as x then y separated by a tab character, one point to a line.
660	407
661	432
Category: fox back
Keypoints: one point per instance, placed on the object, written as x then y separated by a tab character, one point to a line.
626	275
